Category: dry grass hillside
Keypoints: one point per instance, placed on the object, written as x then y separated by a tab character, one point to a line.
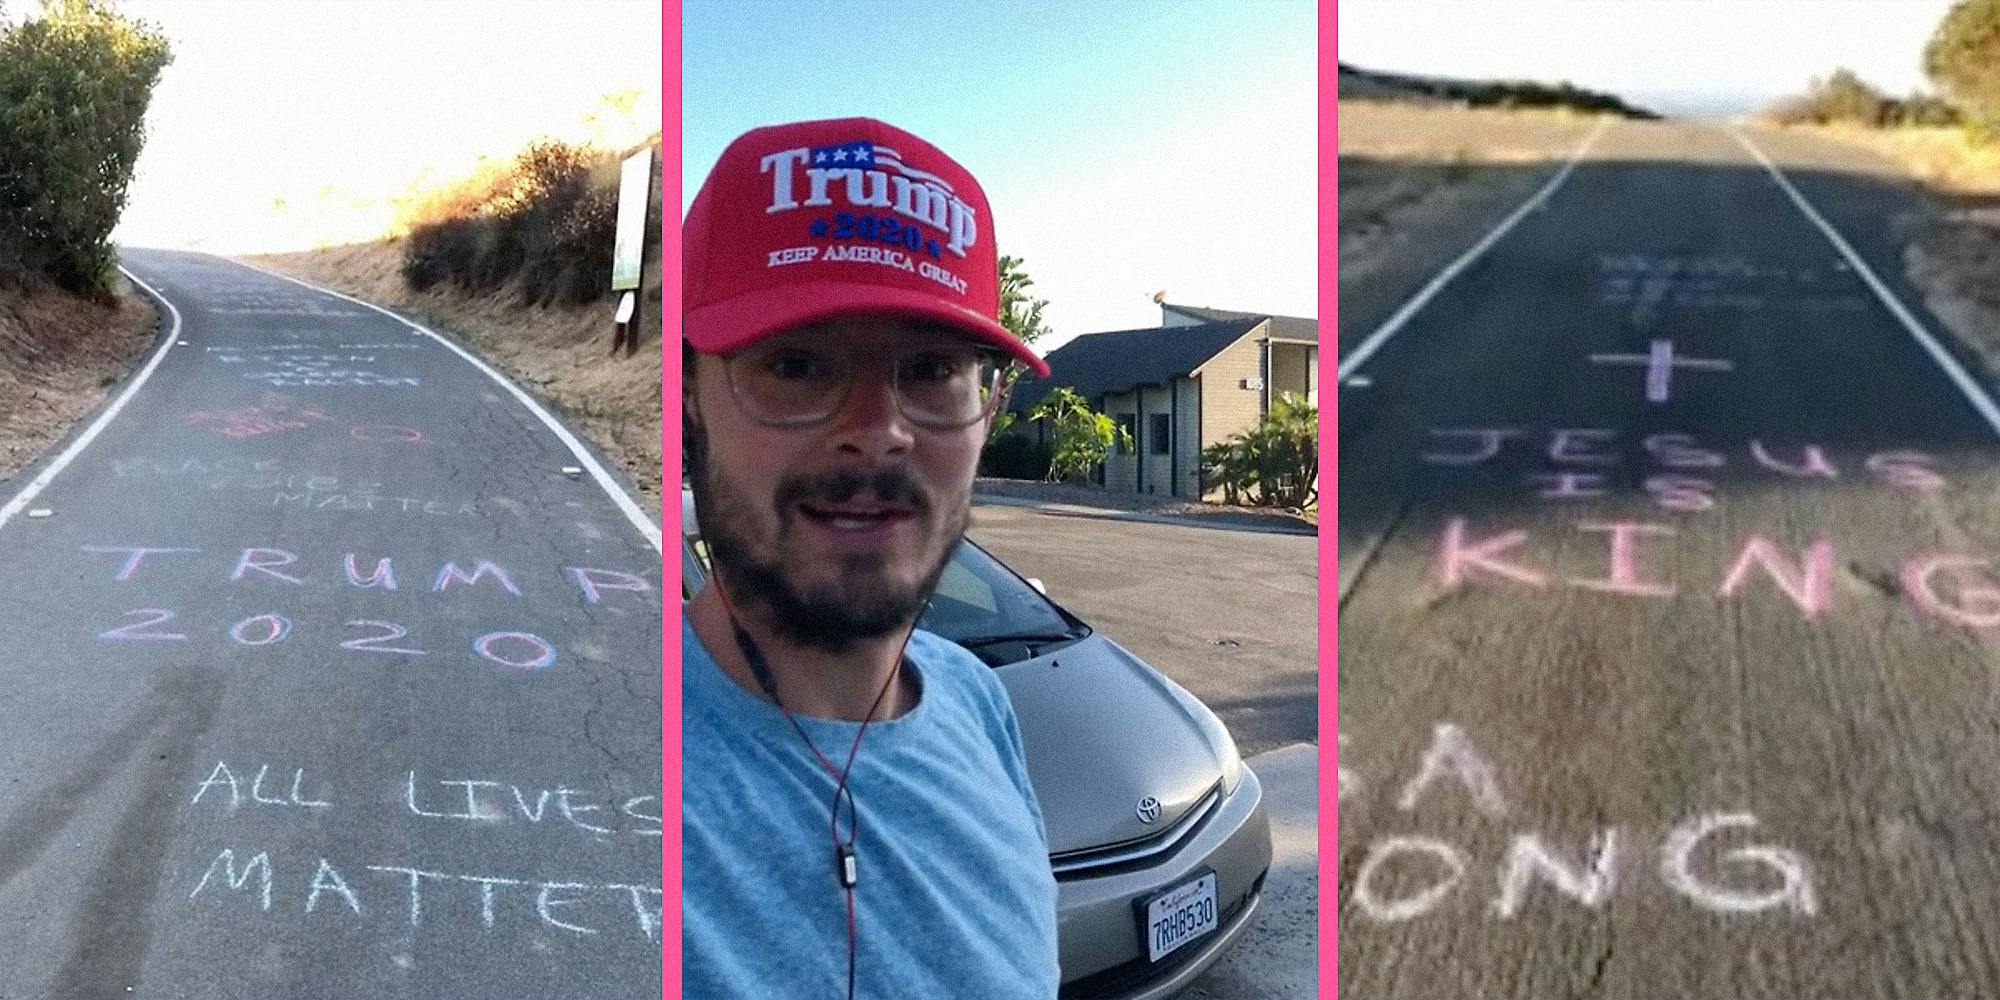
561	353
60	355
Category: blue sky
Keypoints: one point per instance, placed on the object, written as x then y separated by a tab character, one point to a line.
1127	147
1671	55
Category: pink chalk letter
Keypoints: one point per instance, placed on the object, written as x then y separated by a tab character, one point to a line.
1976	607
133	555
262	560
449	574
1573	445
593	582
384	575
1570	485
1678	451
1624	578
1812	462
1486	443
1909	470
1687	494
1810	586
1458	558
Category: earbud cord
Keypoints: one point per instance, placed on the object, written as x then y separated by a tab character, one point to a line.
846	869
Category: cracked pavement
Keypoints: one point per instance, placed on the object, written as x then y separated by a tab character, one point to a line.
325	679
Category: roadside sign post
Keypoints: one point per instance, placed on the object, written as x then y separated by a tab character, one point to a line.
629	252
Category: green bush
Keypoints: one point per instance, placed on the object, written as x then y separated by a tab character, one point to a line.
1014	456
74	87
1275	464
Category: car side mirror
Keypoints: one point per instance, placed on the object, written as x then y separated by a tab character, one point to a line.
1039	587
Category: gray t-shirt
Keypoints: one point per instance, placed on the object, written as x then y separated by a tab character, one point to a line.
955	898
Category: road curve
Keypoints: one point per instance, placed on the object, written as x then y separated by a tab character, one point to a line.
332	671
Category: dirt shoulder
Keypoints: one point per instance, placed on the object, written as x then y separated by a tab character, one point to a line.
1420	182
60	356
1953	255
562	354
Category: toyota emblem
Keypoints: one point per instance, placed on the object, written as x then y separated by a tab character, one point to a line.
1149	809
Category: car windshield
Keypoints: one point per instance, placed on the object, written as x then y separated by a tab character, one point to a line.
978	601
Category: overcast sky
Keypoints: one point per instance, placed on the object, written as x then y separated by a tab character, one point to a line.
1667	54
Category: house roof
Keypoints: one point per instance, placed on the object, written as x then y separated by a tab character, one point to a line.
1293	328
1098	363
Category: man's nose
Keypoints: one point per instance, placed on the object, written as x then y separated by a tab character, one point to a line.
871	424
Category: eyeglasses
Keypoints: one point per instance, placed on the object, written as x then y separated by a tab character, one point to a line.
783	383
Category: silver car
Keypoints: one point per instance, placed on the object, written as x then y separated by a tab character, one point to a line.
1157	830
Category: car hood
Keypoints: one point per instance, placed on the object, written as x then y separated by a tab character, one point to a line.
1102	731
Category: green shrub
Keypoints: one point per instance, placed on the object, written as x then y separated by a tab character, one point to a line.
1014	456
74	87
1275	464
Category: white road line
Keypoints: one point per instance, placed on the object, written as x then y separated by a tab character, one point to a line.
624	500
48	475
1967	385
1394	324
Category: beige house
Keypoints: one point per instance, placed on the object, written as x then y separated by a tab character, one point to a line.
1199	377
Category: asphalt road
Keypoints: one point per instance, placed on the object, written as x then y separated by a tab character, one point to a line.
323	678
1670	605
1229	615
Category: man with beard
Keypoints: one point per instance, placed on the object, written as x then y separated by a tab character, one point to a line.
856	813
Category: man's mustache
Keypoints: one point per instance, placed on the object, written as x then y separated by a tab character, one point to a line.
893	485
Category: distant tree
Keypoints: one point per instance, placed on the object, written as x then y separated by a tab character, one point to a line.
74	87
1963	60
1845	97
1022	316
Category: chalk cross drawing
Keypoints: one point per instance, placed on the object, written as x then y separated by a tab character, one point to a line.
1660	364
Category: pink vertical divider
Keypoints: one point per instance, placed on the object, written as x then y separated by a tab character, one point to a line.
1329	509
670	512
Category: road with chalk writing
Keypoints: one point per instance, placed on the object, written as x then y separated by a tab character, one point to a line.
329	667
1669	539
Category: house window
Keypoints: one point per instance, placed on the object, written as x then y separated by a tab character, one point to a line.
1160	435
1129	423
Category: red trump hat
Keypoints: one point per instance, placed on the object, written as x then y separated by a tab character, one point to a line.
848	217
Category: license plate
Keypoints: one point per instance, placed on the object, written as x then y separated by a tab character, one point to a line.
1180	915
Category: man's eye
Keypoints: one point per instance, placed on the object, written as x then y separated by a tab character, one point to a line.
794	365
934	367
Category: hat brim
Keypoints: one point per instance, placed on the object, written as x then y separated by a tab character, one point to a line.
725	327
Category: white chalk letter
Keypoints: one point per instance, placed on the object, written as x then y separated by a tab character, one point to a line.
1677	869
1529	858
219	776
1452	753
321	882
1384	911
227	859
